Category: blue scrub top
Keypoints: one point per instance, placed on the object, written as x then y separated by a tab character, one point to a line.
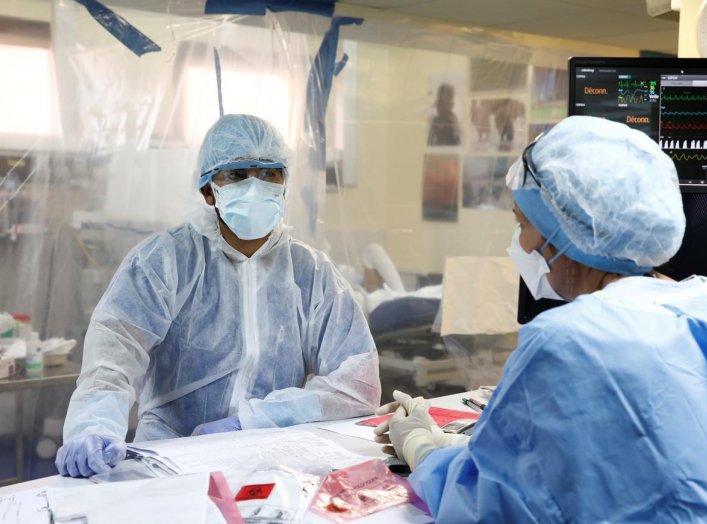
601	415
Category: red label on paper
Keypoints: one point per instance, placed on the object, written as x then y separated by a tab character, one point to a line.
254	491
440	415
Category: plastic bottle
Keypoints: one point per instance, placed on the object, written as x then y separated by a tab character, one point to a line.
23	325
35	361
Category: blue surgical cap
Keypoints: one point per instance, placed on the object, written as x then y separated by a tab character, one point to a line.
608	195
235	137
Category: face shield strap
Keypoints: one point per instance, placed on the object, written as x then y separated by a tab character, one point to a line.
559	253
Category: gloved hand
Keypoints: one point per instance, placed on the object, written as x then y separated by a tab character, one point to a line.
418	443
445	440
89	455
218	426
410	413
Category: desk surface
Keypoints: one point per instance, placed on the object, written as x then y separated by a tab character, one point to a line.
67	373
353	444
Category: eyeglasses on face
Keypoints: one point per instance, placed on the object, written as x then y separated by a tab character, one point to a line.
243	165
528	164
233	176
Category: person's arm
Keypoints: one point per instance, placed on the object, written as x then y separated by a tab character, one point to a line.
341	360
498	475
132	317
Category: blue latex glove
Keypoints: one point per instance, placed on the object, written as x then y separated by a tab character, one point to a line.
218	426
86	456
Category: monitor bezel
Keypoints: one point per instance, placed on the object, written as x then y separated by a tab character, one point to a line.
646	62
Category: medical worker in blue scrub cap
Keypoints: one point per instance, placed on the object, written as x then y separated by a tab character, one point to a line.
601	412
221	324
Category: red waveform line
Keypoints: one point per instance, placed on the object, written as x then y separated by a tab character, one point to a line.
667	124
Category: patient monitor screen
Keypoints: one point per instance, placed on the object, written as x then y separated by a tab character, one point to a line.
664	98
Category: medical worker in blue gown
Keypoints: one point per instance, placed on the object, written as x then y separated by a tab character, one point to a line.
601	412
223	323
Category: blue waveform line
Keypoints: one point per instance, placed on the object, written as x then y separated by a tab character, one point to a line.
685	113
626	92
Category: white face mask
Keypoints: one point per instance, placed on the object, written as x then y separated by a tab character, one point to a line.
533	268
250	208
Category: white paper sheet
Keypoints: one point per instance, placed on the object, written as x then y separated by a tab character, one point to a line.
299	450
24	507
351	429
183	499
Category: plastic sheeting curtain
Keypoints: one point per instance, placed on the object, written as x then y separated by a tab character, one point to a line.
421	126
120	161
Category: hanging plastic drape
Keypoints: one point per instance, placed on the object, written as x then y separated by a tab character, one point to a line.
399	163
135	91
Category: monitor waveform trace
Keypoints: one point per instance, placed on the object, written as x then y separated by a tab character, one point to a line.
636	91
685	96
683	144
687	157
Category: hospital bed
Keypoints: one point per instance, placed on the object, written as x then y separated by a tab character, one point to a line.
459	342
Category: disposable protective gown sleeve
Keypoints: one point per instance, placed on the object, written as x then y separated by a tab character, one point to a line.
600	416
196	332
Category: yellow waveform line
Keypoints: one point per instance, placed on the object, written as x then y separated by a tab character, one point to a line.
684	156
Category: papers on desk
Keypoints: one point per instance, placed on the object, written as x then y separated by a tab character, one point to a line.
274	473
441	416
298	450
182	499
363	428
24	507
351	428
176	500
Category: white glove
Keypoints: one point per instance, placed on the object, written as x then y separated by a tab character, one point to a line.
401	399
420	442
410	413
412	431
445	440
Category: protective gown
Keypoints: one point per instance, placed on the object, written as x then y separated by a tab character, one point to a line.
195	331
600	416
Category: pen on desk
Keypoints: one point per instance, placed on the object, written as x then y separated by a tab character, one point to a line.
473	404
470	405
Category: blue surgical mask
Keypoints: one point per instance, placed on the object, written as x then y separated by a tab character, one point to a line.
250	208
533	268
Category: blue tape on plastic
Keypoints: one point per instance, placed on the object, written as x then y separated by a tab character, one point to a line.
258	7
120	28
319	86
318	89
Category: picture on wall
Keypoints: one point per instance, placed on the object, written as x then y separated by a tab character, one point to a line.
549	92
484	182
446	102
440	187
497	125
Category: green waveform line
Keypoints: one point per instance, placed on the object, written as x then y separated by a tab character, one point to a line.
685	96
636	83
682	157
